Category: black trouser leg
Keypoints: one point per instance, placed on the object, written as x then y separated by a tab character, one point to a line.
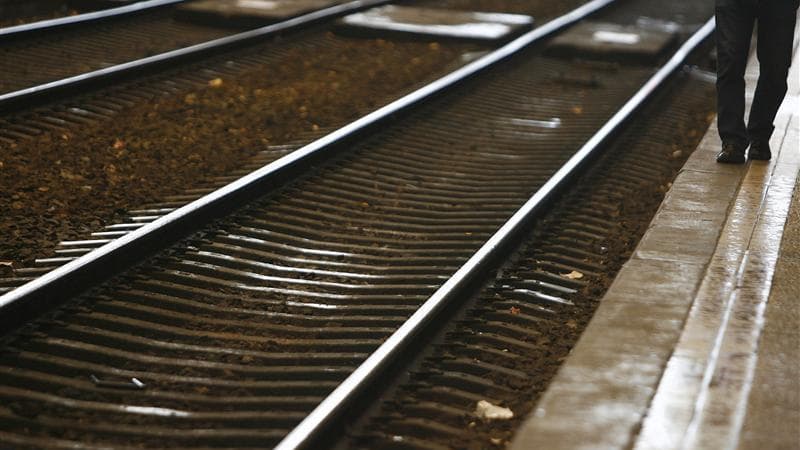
776	21
734	20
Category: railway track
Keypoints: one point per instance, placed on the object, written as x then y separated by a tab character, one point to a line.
506	341
40	60
296	301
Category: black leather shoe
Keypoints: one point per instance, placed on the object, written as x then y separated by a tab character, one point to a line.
759	150
731	154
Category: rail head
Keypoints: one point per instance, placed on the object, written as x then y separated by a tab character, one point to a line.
62	22
311	429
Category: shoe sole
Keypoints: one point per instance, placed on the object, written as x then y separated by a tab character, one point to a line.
731	160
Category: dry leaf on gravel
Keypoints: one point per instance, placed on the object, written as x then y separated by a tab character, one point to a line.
574	275
487	411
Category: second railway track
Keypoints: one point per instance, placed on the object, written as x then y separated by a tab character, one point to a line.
231	337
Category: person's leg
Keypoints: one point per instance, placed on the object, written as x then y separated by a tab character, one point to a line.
776	21
734	19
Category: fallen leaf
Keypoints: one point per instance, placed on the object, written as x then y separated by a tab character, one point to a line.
574	275
577	110
572	324
215	83
67	175
514	310
495	441
487	411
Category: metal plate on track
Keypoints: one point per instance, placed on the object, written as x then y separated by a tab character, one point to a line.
439	23
249	12
612	40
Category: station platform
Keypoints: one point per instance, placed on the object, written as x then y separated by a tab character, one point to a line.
696	345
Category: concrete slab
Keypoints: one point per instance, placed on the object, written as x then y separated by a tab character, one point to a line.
595	422
658	282
248	13
612	40
435	23
702	192
669	242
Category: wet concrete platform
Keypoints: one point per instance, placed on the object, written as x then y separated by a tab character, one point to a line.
696	345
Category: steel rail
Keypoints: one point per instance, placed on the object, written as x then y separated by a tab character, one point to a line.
76	276
43	91
310	430
110	13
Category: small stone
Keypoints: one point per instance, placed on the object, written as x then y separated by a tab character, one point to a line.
677	154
